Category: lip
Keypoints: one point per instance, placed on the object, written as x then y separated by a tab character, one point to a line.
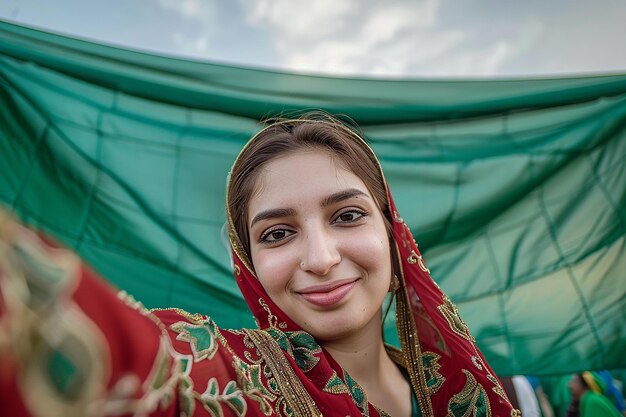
328	294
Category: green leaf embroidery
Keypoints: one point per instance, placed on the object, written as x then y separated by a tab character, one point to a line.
300	345
471	401
335	385
434	380
249	379
186	400
357	394
201	337
231	395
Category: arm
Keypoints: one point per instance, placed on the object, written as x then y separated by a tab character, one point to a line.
68	344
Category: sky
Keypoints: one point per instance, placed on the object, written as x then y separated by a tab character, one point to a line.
355	38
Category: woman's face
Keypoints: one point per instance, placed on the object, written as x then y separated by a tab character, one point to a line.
319	245
576	387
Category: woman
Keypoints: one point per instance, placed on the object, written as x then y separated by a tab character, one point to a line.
588	397
317	245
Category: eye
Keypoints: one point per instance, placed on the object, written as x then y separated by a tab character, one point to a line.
275	235
349	216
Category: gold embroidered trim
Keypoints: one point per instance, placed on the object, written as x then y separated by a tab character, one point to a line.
195	318
468	399
199	336
434	380
335	385
420	262
271	318
396	355
231	396
295	395
476	362
414	258
409	342
497	387
249	378
449	311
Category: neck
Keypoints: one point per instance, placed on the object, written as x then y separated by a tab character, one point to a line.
363	356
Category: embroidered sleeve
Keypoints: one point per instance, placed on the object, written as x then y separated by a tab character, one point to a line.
68	345
71	346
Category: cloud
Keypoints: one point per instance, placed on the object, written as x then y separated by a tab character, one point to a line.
391	38
478	56
205	16
347	37
295	21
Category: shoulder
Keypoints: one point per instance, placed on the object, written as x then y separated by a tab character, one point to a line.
197	335
172	315
190	333
597	405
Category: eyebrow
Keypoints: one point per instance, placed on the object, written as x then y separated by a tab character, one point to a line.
343	195
272	213
331	199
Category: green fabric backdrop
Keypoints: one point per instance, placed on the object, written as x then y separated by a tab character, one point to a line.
514	189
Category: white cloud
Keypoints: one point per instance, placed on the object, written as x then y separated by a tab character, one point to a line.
294	21
391	38
204	13
352	36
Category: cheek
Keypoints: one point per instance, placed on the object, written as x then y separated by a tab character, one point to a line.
372	252
274	270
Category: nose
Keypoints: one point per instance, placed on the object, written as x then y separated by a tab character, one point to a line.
320	252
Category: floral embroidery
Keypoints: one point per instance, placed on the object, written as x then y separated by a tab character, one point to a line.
232	396
497	387
420	262
300	346
292	399
451	314
434	380
201	337
335	385
357	394
271	318
249	379
162	381
413	257
471	401
186	401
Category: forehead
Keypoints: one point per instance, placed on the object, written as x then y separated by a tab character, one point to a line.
301	177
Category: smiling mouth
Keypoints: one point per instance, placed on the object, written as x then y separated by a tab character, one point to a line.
328	295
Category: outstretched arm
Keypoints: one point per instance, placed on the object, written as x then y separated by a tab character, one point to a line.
68	345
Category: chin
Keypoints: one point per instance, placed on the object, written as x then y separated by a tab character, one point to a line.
341	326
333	335
328	330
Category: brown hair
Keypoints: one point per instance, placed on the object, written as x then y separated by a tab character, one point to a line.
309	132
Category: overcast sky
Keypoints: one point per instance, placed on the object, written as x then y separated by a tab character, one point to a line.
391	38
